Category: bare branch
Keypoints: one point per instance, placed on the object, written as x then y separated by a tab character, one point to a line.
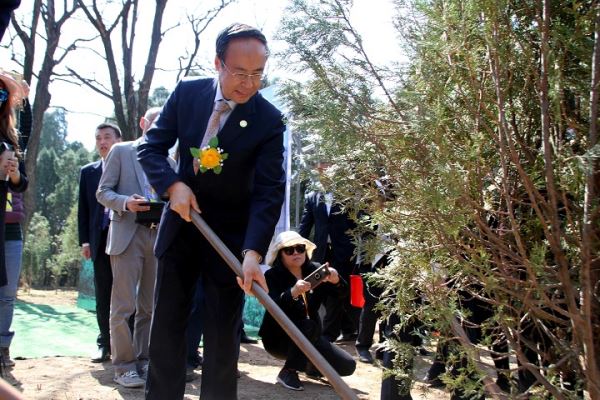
91	83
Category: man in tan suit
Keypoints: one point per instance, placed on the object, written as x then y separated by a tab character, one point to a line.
125	190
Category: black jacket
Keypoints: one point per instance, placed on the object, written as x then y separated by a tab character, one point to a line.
280	282
336	225
245	199
90	212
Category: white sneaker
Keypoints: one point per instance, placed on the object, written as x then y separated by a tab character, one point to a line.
129	379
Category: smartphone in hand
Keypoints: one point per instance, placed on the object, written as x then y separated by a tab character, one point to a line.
317	276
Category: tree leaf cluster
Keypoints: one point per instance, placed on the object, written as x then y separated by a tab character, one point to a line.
54	259
470	157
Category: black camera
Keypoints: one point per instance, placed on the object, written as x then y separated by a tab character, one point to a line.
317	276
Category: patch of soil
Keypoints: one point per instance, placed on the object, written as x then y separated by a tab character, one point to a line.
51	297
76	378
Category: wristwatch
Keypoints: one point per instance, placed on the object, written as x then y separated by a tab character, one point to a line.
247	250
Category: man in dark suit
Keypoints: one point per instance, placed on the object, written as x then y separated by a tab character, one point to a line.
239	198
334	245
93	228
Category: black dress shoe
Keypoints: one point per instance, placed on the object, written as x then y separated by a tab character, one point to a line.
248	340
101	355
364	356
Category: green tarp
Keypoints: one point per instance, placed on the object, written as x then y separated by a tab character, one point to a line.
43	330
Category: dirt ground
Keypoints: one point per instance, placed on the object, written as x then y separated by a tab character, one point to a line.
76	378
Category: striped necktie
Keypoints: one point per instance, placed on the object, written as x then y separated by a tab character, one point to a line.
214	121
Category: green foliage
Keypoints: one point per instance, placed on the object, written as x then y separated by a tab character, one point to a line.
464	156
56	191
37	268
159	97
67	261
54	130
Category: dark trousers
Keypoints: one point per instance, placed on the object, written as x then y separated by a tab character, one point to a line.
480	313
390	385
340	315
285	349
368	317
102	290
195	327
393	387
178	271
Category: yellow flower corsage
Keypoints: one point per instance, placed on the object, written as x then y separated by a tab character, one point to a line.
210	156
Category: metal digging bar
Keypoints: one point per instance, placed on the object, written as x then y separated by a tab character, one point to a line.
293	332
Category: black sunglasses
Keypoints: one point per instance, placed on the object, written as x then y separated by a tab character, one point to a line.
299	248
3	95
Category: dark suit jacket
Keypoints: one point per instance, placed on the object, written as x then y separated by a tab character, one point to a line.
335	225
90	212
246	198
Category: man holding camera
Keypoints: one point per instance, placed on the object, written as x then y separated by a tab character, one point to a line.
125	190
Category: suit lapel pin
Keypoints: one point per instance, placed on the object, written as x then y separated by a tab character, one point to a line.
243	123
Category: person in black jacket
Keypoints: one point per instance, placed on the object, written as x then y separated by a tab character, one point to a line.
92	223
332	235
289	256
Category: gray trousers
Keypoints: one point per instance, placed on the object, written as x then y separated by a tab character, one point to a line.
134	276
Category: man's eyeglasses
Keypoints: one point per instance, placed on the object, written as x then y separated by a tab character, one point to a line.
241	77
3	95
299	248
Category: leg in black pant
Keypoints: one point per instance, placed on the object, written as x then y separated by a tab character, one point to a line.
102	290
332	321
195	327
340	316
178	271
285	348
438	367
391	388
223	319
175	284
368	318
341	361
350	315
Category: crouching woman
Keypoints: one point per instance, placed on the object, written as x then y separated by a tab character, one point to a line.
289	258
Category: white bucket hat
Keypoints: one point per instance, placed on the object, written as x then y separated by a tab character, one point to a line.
287	239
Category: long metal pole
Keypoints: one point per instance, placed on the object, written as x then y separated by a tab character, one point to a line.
288	326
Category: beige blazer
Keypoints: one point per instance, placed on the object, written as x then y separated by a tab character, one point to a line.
122	177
